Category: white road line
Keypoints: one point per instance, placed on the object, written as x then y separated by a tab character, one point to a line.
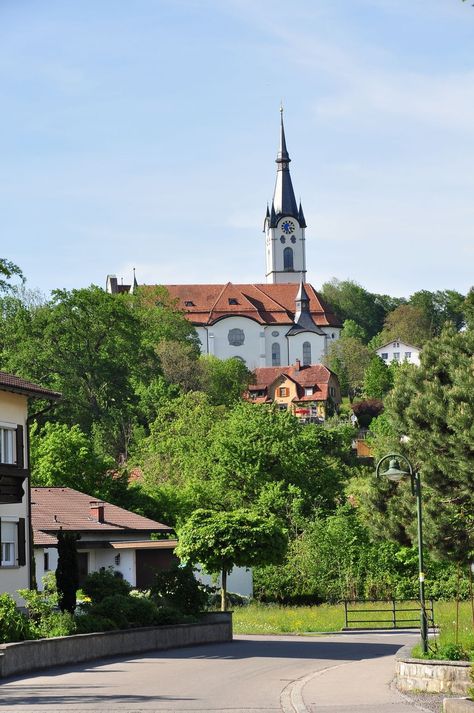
291	698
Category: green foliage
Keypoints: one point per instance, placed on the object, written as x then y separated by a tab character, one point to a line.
223	380
179	589
348	358
89	623
409	324
378	379
14	625
350	328
8	270
125	611
104	583
367	410
67	578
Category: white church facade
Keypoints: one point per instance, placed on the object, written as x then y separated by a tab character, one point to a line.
272	323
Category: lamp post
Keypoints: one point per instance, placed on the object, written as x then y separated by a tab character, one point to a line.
395	475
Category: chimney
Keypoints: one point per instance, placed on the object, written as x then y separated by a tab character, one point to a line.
97	510
297	366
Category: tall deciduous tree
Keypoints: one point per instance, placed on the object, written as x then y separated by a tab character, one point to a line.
222	540
348	357
9	270
409	324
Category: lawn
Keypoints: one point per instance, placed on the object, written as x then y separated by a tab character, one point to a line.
274	619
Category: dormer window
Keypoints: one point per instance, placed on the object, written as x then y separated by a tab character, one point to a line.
189	303
308	391
233	301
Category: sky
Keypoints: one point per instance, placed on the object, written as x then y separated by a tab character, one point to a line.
143	133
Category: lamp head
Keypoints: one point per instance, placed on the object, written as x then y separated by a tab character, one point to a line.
394	473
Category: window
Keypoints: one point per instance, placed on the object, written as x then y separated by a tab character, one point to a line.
332	391
308	391
9	536
396	344
282	239
233	301
384	356
276	354
306	353
407	356
288	259
236	337
396	356
189	303
282	407
283	391
7	439
46	561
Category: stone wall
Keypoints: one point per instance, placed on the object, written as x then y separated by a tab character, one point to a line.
432	676
25	656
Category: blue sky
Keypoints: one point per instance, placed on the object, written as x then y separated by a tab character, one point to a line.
144	134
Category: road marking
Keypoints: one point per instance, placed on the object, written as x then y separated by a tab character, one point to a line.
291	697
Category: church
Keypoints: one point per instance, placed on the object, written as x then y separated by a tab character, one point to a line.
273	323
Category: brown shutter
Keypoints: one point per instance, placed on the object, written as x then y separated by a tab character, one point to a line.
20	460
21	542
0	541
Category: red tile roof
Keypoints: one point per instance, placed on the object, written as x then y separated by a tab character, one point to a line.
316	376
9	382
53	509
265	303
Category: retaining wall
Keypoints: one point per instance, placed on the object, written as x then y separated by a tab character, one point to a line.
432	676
24	656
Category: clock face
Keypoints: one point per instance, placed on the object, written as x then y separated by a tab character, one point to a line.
288	227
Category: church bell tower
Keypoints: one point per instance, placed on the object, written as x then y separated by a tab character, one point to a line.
284	225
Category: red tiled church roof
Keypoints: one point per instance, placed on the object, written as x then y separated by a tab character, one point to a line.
265	303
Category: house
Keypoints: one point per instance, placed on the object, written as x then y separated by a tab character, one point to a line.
311	392
399	351
108	536
263	324
15	549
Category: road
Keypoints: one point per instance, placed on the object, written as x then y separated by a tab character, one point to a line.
340	673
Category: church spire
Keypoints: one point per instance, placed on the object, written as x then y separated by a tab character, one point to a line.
284	199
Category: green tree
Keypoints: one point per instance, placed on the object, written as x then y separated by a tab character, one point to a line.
352	329
409	324
67	577
64	456
439	307
8	270
378	379
223	380
348	357
221	540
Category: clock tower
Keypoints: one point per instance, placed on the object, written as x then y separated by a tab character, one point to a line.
284	225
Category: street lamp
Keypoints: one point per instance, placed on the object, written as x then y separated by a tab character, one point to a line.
395	474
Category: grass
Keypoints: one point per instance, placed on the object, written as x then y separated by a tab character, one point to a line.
274	619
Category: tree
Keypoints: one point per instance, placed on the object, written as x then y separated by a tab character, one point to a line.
222	540
179	364
63	456
439	307
8	270
223	380
378	379
407	323
348	357
352	329
433	405
67	577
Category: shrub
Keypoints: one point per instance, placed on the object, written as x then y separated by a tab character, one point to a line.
89	623
125	611
367	410
178	589
105	583
14	626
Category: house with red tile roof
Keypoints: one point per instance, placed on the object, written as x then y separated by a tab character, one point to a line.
263	324
15	546
312	392
108	536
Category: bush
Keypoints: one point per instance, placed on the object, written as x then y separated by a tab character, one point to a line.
179	589
105	583
367	410
89	623
14	626
125	611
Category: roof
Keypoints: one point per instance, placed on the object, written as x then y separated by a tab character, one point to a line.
9	382
265	303
400	341
316	376
53	509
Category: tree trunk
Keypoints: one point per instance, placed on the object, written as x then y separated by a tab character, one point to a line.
224	590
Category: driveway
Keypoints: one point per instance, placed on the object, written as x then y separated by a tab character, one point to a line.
341	673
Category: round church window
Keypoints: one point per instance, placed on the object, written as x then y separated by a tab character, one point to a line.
275	334
236	337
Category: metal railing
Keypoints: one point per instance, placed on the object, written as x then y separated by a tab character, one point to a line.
394	609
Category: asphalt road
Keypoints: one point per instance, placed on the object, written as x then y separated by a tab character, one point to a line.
341	673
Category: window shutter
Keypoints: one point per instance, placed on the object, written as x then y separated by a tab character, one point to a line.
1	548
20	460
21	542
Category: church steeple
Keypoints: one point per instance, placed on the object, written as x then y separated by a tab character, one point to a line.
284	200
284	224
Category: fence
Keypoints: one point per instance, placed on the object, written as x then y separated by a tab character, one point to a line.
393	609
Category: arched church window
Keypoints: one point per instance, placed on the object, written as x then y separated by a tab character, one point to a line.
275	354
306	353
288	259
236	337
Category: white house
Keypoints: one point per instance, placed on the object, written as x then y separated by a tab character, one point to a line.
14	480
264	324
399	351
108	536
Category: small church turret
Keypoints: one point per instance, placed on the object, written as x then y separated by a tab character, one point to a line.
284	225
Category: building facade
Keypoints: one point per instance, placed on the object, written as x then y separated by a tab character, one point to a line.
399	352
264	324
